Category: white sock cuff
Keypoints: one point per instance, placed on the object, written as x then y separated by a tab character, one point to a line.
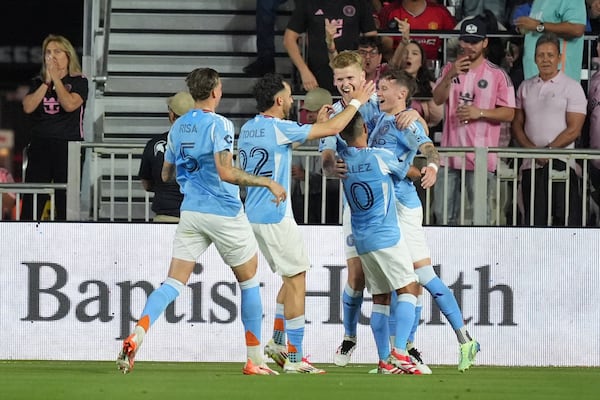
279	309
419	301
351	292
407	298
381	309
425	274
295	323
250	283
174	283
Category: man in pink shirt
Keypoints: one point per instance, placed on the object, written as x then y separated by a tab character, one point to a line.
551	110
478	97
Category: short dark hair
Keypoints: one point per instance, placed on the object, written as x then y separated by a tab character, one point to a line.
548	37
265	89
371	41
354	128
201	82
401	77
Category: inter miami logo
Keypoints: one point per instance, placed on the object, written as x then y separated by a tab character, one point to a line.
349	11
482	84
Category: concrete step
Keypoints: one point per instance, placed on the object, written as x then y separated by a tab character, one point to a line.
236	42
233	5
186	62
190	20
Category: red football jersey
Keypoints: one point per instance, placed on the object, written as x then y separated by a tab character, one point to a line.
436	17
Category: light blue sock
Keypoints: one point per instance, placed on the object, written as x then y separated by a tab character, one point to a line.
251	310
442	296
418	309
352	301
160	298
379	325
405	316
295	334
392	320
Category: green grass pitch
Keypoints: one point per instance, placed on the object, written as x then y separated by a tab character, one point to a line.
178	381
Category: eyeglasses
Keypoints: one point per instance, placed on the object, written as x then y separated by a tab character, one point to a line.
369	53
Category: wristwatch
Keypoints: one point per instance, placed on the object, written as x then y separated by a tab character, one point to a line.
540	28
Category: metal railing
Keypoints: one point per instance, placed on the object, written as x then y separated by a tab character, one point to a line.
35	189
115	186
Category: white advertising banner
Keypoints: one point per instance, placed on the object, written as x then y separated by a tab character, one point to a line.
74	290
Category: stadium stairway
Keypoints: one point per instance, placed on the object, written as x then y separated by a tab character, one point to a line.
152	46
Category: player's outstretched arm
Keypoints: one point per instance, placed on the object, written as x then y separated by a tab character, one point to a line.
228	173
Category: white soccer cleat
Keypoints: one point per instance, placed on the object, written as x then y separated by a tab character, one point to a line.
276	352
302	367
415	356
404	362
344	351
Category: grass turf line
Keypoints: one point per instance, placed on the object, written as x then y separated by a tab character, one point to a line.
33	380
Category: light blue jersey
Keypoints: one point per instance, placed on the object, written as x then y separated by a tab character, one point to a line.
367	111
404	143
369	191
193	140
265	149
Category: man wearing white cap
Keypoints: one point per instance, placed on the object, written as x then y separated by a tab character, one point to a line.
167	197
477	96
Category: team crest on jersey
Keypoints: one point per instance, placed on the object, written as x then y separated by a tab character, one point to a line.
482	84
350	240
349	11
229	139
434	26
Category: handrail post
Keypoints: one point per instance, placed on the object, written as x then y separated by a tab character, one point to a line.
480	197
74	182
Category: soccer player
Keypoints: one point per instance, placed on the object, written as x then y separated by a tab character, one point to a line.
368	189
395	89
349	74
265	148
200	154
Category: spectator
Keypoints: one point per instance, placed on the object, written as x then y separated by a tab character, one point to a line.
551	110
314	100
593	13
369	47
495	48
266	14
414	64
371	50
419	14
478	96
167	195
594	123
565	18
55	104
353	19
8	199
